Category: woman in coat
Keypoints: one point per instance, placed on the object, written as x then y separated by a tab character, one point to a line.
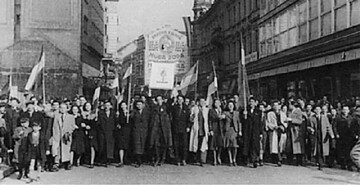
232	130
79	137
90	119
320	131
216	128
122	136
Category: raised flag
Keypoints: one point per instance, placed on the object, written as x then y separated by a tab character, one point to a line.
189	78
36	71
96	96
128	72
211	90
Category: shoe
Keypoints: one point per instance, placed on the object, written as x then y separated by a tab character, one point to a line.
214	164
261	163
68	167
157	163
255	165
119	165
234	164
279	164
178	164
19	176
55	168
137	165
319	167
183	163
26	176
201	164
91	166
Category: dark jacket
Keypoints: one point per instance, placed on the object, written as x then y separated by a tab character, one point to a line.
43	144
251	129
106	127
161	124
180	119
139	129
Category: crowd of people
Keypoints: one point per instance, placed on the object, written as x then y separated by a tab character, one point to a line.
158	130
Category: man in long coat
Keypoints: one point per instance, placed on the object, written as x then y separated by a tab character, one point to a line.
251	127
161	137
275	128
180	128
320	131
296	134
140	124
64	125
199	132
106	140
346	139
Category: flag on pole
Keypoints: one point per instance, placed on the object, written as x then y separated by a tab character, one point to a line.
36	71
115	83
213	87
243	84
6	88
189	78
128	72
96	97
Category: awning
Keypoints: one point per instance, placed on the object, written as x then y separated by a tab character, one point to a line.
89	71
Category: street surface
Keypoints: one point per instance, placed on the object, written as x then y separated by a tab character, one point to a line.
170	174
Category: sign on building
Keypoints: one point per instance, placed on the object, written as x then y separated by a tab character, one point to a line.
166	45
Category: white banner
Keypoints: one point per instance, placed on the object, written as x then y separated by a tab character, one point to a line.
162	76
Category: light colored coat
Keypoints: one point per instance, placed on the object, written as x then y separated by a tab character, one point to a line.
60	149
272	125
326	132
296	143
193	147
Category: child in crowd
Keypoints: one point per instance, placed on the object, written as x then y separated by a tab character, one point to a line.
37	148
20	149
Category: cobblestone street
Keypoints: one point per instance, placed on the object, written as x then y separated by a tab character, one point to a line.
169	174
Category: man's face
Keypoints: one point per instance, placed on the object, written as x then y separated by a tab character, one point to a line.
309	108
14	104
139	105
252	103
317	110
357	102
262	108
63	108
180	100
55	106
31	108
325	109
82	101
236	98
159	100
276	106
78	102
346	110
202	102
108	106
187	101
2	110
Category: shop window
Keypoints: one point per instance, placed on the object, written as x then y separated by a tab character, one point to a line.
355	12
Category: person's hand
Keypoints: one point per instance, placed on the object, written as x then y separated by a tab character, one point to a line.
337	136
222	116
245	112
117	113
261	136
240	134
187	129
47	152
211	133
88	127
10	151
83	125
118	126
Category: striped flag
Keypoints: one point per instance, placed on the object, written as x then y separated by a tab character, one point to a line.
187	23
213	87
243	84
189	78
36	71
96	97
128	72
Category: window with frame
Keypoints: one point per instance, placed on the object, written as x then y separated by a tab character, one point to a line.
326	20
303	26
340	14
354	12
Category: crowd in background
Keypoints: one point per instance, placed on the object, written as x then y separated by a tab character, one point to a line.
178	130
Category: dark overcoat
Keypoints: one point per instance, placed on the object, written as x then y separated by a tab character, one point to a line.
216	125
251	129
344	127
106	125
139	130
161	127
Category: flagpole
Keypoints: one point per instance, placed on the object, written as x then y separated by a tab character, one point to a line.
197	77
242	70
215	78
43	76
129	97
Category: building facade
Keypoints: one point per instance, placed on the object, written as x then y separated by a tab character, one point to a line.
302	48
112	27
307	48
71	33
161	45
217	37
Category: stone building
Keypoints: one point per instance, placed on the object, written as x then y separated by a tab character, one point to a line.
112	27
71	33
217	36
301	48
